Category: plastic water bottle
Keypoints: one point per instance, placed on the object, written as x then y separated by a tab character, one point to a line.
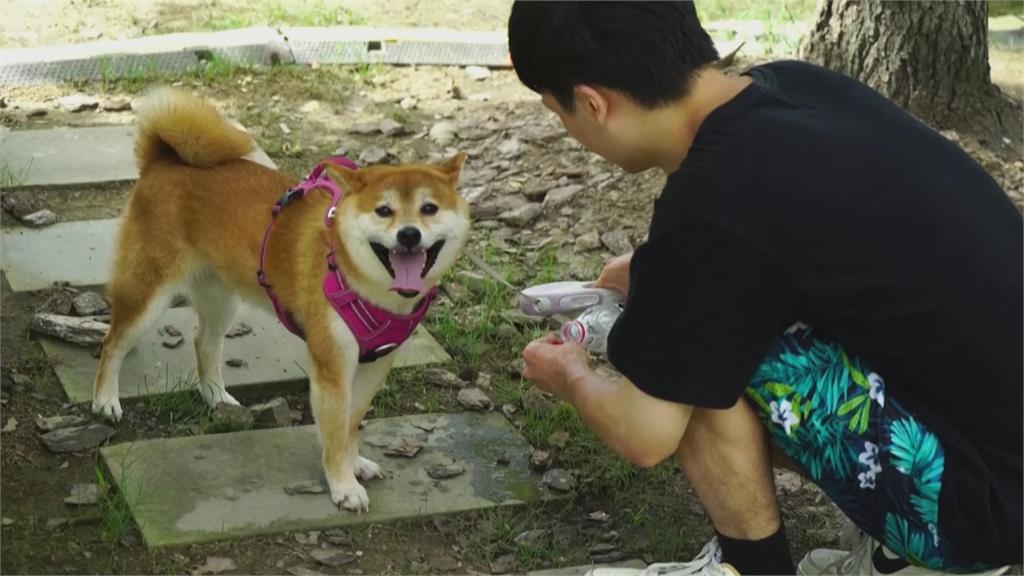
592	327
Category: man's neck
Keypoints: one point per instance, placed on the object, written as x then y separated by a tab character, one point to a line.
672	129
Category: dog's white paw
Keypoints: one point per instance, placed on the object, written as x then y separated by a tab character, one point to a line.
350	496
109	408
214	396
367	469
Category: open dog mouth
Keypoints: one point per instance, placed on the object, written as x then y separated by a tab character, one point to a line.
407	268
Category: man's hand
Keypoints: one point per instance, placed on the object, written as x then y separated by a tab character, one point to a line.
551	365
616	274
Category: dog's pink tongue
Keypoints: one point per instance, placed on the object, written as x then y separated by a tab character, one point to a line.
408	267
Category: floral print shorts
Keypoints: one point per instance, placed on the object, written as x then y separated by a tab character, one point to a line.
883	468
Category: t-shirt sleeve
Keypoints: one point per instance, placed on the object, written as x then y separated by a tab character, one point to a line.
703	309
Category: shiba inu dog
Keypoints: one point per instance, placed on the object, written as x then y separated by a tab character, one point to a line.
348	260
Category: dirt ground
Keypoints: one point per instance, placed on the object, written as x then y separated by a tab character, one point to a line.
299	115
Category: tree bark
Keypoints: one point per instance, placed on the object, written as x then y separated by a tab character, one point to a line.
928	56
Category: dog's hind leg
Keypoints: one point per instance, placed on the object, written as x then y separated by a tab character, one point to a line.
216	304
139	295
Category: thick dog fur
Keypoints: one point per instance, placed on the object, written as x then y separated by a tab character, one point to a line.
195	224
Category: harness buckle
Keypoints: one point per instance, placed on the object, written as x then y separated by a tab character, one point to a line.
290	196
378	352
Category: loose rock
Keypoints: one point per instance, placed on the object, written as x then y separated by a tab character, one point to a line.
173	341
536	400
536	191
389	127
503	564
37	112
478	72
239	330
236	363
558	479
558	439
10	426
559	197
332	557
81	331
373	155
231	418
443	133
77	103
49	424
531	537
521	216
303	571
540	460
170	330
788	481
338	537
83	495
89	304
617	241
77	438
40	219
18	205
474	399
404	446
117	104
588	241
215	565
445	471
274	413
443	378
305	487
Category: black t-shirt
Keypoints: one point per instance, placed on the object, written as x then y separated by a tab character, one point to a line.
810	197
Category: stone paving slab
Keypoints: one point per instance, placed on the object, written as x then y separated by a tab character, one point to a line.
67	156
276	361
430	46
204	488
165	53
80	253
581	570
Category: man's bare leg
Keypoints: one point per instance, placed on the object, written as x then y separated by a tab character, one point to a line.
727	458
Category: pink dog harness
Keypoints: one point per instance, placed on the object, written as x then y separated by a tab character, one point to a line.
377	330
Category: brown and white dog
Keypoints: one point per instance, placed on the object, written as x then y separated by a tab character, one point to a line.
195	224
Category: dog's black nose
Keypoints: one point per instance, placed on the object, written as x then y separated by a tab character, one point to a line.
409	236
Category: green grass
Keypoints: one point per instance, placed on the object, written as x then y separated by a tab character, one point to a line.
115	511
11	177
277	13
777	10
1005	7
179	405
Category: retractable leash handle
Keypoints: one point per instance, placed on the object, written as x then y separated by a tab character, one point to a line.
564	298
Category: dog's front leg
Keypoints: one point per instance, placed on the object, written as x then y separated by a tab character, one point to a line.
369	379
330	386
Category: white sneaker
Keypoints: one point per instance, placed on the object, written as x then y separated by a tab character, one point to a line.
866	557
707	563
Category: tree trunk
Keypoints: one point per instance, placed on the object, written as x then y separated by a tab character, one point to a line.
928	56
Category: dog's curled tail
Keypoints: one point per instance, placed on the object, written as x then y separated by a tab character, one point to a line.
175	123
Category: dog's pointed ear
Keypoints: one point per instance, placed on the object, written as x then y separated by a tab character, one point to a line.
351	180
453	166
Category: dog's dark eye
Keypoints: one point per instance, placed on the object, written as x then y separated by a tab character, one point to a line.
384	211
429	209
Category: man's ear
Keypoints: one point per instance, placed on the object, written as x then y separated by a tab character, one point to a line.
453	166
591	101
351	180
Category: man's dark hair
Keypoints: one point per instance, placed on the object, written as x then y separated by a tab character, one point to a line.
649	51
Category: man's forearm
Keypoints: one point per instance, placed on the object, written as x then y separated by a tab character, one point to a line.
636	426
